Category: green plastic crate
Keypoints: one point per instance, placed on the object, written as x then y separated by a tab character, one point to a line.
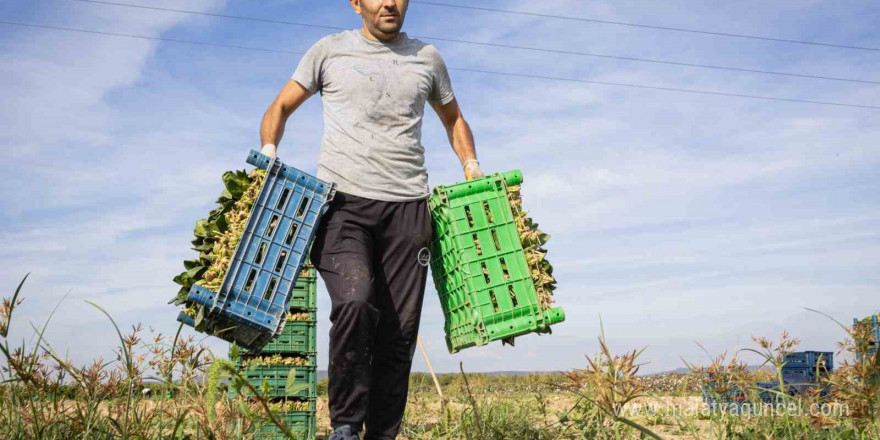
305	292
313	316
312	360
503	303
302	381
298	337
301	424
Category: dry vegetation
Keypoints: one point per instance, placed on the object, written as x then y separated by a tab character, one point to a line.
196	396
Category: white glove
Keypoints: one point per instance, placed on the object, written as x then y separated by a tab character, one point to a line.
472	169
268	150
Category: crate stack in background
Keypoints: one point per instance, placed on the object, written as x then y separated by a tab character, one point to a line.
802	371
873	333
287	364
805	369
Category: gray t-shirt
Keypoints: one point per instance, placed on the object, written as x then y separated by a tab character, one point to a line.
374	97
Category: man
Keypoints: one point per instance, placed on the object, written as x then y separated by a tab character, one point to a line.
372	246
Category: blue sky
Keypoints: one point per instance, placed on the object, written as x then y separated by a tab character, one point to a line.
678	218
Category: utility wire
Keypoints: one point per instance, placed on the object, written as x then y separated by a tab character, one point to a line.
210	14
142	37
500	45
488	72
646	60
648	26
668	89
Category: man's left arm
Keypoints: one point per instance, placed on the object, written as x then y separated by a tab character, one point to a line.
460	137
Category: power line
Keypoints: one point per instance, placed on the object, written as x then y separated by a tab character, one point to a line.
648	26
646	60
489	72
210	14
668	89
500	45
142	37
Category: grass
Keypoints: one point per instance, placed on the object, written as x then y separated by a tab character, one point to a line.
43	395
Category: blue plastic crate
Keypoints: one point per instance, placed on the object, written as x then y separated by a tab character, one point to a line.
251	306
800	380
799	375
768	392
809	359
733	395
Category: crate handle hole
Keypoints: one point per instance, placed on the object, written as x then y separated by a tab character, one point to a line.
280	263
283	199
470	218
489	216
495	239
291	233
270	290
303	204
250	281
258	259
270	229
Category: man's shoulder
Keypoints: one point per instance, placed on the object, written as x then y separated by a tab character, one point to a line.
422	48
351	39
337	38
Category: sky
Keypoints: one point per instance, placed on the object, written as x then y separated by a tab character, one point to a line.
679	221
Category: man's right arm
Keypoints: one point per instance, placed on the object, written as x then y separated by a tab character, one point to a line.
272	128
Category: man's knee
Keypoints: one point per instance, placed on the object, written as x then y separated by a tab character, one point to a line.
358	306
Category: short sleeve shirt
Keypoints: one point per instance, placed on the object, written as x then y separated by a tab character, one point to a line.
374	96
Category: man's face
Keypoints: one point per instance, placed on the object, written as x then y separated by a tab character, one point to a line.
383	18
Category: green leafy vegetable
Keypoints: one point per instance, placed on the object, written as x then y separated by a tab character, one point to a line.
532	240
217	236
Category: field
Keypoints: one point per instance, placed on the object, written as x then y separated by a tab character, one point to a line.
195	395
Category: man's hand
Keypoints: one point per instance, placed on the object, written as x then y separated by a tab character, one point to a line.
268	150
472	170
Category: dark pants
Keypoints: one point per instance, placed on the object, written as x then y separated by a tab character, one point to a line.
373	257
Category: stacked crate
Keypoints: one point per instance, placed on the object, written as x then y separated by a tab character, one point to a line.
734	396
805	369
874	339
802	371
284	370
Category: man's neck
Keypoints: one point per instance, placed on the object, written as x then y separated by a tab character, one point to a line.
385	38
